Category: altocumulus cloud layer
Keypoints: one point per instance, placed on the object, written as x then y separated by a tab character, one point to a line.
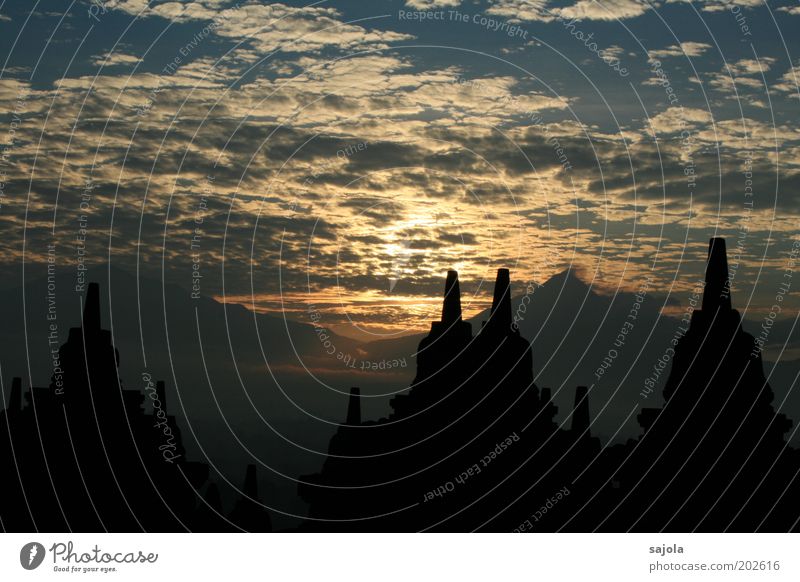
359	152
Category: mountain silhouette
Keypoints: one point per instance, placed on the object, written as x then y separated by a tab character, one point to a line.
496	426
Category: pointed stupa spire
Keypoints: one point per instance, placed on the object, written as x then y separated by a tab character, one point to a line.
91	309
249	512
451	308
501	303
161	391
717	294
580	412
354	408
15	400
250	487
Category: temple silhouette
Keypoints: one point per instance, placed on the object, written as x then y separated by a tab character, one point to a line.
84	454
713	458
472	445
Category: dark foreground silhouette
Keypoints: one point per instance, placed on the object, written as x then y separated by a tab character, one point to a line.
472	445
83	455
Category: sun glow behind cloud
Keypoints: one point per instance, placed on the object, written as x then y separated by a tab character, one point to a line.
361	165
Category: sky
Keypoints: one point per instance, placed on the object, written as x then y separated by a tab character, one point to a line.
337	158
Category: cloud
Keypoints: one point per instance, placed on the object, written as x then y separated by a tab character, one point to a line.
458	238
788	82
689	49
265	26
432	4
606	10
676	119
719	5
116	59
544	11
613	52
454	153
522	10
741	75
751	66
